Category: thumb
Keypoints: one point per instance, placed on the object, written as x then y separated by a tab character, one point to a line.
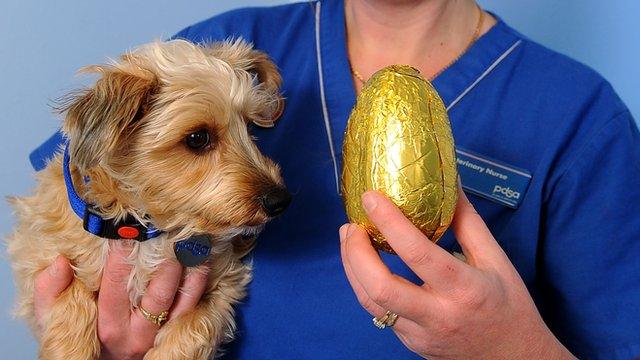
49	284
477	242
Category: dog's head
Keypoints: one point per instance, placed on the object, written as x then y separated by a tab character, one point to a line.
163	133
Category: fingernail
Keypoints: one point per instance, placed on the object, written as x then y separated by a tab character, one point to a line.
350	229
369	202
346	230
343	232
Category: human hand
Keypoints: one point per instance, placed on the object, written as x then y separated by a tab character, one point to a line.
479	309
124	334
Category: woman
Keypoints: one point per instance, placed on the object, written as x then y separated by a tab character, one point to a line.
566	146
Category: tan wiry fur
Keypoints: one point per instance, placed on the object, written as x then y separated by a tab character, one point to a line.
127	134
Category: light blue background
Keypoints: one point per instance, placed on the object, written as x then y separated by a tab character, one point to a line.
43	43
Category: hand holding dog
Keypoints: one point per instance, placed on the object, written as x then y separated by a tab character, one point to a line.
479	309
124	334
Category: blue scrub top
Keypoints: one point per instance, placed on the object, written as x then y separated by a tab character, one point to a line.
575	238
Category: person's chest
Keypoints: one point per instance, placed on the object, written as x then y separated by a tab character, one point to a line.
300	304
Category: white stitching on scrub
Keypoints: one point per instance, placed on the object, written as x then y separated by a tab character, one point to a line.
325	111
484	74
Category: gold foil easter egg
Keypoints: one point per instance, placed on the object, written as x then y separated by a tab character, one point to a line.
398	141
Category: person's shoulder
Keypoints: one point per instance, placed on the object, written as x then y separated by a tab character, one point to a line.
562	81
249	23
566	105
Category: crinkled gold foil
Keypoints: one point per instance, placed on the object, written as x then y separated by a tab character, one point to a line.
398	141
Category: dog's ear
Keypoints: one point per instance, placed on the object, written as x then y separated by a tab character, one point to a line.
241	54
268	75
98	118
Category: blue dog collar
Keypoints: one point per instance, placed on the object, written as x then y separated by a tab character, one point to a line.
129	228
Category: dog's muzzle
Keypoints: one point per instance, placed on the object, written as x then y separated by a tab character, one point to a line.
275	202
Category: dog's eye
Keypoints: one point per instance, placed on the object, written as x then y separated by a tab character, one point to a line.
199	140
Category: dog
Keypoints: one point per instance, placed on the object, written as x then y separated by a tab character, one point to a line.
158	149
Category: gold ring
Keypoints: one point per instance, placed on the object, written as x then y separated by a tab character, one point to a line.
156	319
388	319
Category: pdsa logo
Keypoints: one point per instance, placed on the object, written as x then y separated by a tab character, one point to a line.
507	192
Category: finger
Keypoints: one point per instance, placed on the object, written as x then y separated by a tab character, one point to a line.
49	284
440	270
113	300
359	291
413	335
477	242
381	286
402	325
158	297
190	291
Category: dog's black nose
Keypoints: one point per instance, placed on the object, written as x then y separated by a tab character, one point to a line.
275	201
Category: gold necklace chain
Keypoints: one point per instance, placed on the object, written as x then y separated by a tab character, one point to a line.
476	35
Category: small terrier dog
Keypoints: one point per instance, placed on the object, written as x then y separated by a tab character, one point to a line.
158	149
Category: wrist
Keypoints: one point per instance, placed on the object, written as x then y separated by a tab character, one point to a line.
543	346
555	350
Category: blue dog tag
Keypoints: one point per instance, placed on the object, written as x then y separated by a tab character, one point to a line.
193	251
492	179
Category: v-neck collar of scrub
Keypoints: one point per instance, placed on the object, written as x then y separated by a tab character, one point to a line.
336	83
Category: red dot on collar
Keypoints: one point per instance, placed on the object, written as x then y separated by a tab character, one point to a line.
128	232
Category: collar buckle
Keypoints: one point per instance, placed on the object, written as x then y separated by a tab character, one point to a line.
128	228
